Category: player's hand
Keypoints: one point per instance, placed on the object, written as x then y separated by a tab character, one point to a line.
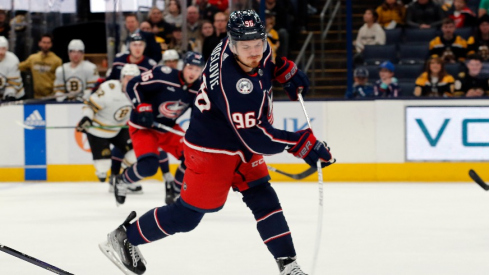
294	80
83	125
144	115
312	150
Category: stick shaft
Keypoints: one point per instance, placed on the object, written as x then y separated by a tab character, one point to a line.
33	260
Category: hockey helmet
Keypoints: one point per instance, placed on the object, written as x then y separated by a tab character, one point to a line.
130	69
76	45
136	37
193	58
3	42
245	25
170	55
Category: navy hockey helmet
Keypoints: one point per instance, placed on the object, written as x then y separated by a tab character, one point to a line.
193	58
245	25
136	37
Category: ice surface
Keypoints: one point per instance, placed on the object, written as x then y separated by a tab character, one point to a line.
368	228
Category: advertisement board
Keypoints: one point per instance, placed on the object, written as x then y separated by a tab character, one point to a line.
446	133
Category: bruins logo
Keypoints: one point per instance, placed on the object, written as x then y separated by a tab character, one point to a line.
106	153
122	113
74	84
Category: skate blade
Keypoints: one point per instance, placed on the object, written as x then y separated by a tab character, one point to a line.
109	253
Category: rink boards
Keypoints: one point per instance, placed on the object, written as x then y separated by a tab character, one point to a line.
381	140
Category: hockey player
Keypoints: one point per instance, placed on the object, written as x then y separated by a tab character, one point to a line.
109	107
135	56
11	87
161	95
172	59
229	131
77	77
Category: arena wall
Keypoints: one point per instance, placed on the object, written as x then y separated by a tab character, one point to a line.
381	140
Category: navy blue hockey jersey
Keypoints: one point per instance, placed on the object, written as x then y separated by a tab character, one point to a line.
233	112
165	90
144	65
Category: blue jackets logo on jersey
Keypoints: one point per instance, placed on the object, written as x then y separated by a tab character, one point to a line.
172	109
244	86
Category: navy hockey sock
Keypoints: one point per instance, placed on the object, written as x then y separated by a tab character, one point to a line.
163	221
164	163
117	157
271	223
146	166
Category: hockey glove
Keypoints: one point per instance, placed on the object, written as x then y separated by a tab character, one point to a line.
144	115
84	123
312	150
294	80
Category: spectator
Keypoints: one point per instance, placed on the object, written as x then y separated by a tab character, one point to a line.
176	41
283	20
361	87
172	60
391	14
153	49
444	4
174	16
220	21
462	15
470	83
272	35
42	66
424	14
483	7
387	85
206	30
11	87
449	47
370	33
4	24
206	10
77	77
145	26
161	28
479	43
434	81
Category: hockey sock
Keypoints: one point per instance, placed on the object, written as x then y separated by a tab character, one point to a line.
117	157
271	223
146	166
163	221
164	162
179	175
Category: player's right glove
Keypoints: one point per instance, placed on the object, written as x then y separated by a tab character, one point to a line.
294	80
84	123
312	150
144	115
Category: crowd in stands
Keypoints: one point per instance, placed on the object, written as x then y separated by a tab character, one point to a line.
162	33
423	48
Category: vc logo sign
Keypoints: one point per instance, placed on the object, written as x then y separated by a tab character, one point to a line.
292	124
433	141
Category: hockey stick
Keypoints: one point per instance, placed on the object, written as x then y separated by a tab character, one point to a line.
302	175
320	185
478	180
168	129
33	260
66	127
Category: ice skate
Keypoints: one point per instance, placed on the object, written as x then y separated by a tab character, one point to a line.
289	266
133	188
120	190
172	194
125	256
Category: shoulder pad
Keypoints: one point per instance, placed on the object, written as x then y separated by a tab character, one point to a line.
152	62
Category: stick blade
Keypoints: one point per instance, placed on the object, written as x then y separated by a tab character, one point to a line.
473	175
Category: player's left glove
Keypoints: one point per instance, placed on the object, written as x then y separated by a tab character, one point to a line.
312	150
84	123
294	80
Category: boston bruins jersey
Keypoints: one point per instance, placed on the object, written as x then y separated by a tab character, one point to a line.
108	106
75	80
10	80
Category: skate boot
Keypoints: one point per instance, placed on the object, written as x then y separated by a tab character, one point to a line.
121	252
111	183
132	188
289	266
120	190
101	176
172	194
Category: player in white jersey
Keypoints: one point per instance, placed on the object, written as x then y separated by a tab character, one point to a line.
76	77
109	107
11	87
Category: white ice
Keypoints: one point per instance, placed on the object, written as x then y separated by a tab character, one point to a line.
368	228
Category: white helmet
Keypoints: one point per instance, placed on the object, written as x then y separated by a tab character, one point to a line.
170	55
76	45
3	42
130	69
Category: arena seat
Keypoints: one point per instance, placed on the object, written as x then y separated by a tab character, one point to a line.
408	72
376	54
407	88
393	36
413	54
465	33
418	36
453	69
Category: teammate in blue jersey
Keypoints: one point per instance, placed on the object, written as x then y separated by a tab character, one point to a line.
159	96
230	129
137	45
